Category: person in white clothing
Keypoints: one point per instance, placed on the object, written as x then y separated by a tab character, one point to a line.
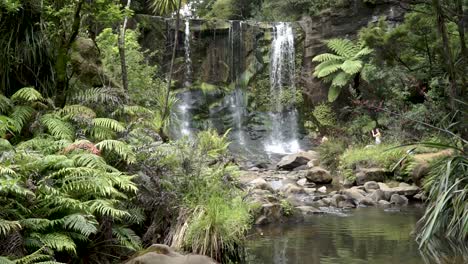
378	137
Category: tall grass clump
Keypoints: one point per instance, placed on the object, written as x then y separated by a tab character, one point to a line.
446	185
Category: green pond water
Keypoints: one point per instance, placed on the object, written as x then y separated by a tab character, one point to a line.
363	235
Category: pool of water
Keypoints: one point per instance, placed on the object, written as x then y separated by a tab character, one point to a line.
362	235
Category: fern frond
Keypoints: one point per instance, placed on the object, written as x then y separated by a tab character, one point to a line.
91	161
7	227
327	57
106	208
351	67
22	114
343	47
99	133
341	79
96	95
56	241
27	94
132	110
127	237
85	225
5	146
77	111
333	93
5	260
9	125
36	257
327	70
58	127
109	123
37	224
119	147
5	104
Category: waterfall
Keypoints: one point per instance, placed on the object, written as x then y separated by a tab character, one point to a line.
283	135
236	99
184	114
188	60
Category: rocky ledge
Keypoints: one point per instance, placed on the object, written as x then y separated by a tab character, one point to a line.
299	186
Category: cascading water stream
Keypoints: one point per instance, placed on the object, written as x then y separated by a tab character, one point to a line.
283	135
236	99
185	98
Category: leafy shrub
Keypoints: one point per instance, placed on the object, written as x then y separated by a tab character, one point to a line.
330	152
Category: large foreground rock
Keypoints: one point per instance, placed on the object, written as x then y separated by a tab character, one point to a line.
293	161
162	254
409	190
319	175
370	174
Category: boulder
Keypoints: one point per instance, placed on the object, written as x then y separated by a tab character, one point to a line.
348	203
420	196
369	174
354	194
322	189
269	213
302	182
398	199
292	161
384	203
336	199
296	175
302	167
377	195
326	201
370	186
162	254
260	183
291	189
310	191
401	190
319	175
313	163
367	201
305	210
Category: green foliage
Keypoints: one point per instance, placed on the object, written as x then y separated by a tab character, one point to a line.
342	67
325	115
383	156
447	188
330	152
287	208
165	7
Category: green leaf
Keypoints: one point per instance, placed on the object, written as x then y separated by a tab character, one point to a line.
327	57
333	93
327	70
341	79
28	94
351	67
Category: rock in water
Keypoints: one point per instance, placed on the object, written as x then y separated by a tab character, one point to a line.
319	175
371	186
398	199
371	174
162	254
322	189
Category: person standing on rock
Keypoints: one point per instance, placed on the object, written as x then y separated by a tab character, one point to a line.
378	137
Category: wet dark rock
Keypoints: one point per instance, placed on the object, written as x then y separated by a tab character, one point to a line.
371	186
347	183
398	199
370	174
367	201
377	195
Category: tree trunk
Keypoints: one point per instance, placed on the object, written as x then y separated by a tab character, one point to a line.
121	46
61	62
447	52
461	36
171	69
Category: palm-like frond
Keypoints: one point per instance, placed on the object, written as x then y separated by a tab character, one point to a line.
127	237
56	241
162	7
351	67
77	111
341	79
118	147
22	114
106	208
5	104
27	94
327	57
83	224
343	47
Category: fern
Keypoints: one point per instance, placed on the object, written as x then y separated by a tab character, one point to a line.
119	147
127	237
109	124
85	225
27	94
56	241
351	67
58	127
7	227
5	104
96	95
106	208
21	114
342	47
77	111
326	57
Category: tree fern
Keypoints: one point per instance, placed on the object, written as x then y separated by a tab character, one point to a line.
342	67
77	111
56	241
109	123
127	237
96	95
85	225
106	208
7	227
5	104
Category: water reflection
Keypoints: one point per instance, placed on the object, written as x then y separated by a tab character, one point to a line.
368	235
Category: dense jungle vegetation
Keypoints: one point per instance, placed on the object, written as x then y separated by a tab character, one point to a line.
89	172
